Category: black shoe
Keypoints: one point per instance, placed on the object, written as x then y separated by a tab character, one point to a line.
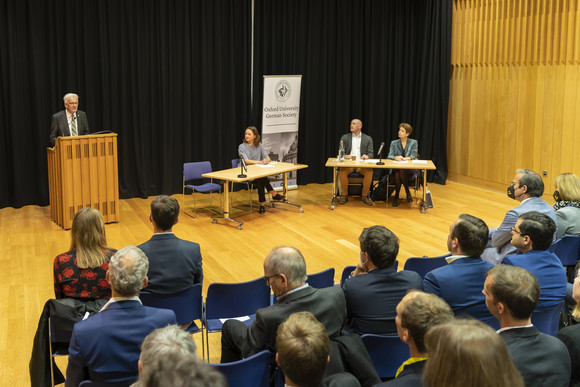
410	199
366	201
396	202
262	210
278	197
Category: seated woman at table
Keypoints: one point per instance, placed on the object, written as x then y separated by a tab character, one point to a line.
567	207
81	272
404	148
253	152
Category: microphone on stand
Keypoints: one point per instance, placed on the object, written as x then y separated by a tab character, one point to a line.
242	168
380	150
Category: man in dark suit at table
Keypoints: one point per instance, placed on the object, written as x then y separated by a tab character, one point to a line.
511	294
105	347
69	122
174	264
360	146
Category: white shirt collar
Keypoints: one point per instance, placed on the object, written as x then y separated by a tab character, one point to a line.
454	258
112	300
508	328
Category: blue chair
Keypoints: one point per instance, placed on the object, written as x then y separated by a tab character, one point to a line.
193	172
233	300
355	183
567	249
187	306
324	279
349	269
91	383
58	344
547	320
387	353
253	371
248	183
423	265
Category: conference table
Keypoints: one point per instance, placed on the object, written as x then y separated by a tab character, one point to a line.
254	171
424	165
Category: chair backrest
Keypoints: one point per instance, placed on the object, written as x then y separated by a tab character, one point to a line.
567	249
253	371
235	163
225	300
387	353
547	320
349	269
187	304
91	383
194	170
323	279
423	265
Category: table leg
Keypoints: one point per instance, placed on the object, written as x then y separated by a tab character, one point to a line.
422	206
285	201
226	207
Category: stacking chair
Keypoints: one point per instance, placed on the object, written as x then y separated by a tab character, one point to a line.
547	320
423	265
233	300
248	183
91	383
194	171
567	249
355	183
349	269
58	345
253	371
187	306
387	353
323	279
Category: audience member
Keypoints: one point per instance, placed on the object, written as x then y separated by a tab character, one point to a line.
174	264
376	287
468	353
356	145
416	314
511	294
80	273
178	369
570	335
532	235
105	347
527	187
285	273
567	206
460	282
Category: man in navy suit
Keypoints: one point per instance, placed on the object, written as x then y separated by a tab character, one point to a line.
105	347
527	187
460	282
376	287
359	146
532	235
174	264
69	122
511	294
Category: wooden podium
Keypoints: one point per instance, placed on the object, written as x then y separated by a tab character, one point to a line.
83	172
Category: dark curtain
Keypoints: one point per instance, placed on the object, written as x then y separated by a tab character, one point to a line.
384	62
171	77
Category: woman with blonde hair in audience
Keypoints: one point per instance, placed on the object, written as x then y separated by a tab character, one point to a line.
468	353
567	207
570	335
81	272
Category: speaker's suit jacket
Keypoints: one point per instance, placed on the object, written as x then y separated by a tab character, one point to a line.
460	284
542	360
372	299
106	346
327	305
548	269
59	125
499	245
570	336
366	144
396	149
174	264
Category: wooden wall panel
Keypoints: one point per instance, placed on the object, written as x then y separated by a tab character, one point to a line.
514	90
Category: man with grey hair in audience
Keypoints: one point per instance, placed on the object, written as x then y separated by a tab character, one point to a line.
527	188
105	347
177	369
285	273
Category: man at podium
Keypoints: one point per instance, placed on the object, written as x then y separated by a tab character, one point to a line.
69	122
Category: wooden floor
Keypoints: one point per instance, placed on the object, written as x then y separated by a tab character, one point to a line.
29	241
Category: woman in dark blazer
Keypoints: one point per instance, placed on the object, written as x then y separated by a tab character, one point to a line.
404	148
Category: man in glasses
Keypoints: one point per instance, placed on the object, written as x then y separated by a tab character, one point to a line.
285	273
532	235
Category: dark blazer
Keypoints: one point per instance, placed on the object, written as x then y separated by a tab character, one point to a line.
542	360
570	336
460	284
410	376
372	299
106	347
326	304
411	149
366	144
174	264
59	125
548	269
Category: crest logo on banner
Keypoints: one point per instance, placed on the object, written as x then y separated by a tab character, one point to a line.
283	90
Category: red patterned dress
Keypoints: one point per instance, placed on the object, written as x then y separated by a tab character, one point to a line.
82	284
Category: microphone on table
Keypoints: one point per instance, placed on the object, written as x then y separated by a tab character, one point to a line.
380	150
242	168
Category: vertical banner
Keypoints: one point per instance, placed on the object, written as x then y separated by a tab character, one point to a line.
280	112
